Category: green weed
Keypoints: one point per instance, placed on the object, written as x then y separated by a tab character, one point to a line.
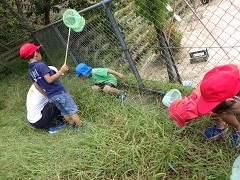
134	139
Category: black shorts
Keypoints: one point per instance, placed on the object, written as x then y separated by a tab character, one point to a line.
51	115
102	85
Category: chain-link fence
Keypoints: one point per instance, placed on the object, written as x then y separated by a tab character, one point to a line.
148	46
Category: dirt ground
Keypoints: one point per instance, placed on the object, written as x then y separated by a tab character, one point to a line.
216	26
218	30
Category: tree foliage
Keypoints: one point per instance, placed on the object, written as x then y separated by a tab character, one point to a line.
79	5
11	30
40	12
21	17
155	10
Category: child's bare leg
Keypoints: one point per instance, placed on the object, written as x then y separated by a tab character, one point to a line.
217	120
68	118
231	120
95	88
109	89
76	119
121	94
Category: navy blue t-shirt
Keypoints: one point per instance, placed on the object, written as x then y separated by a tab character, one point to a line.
37	71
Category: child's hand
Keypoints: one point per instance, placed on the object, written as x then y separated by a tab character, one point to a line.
120	76
72	96
64	68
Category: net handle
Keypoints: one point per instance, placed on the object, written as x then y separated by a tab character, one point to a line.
69	31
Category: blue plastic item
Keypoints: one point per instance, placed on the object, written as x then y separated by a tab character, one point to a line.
187	83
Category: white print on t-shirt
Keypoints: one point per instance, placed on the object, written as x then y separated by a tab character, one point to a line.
35	75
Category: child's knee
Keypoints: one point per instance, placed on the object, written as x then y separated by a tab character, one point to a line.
95	88
109	89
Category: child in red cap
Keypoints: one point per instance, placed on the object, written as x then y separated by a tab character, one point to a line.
220	91
218	95
183	110
48	84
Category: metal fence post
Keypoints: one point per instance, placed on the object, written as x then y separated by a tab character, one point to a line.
122	42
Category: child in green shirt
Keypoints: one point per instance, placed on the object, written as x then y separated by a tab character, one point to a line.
101	78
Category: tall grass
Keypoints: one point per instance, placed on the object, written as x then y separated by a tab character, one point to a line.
130	140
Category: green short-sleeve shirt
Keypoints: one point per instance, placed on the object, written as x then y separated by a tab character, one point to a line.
101	75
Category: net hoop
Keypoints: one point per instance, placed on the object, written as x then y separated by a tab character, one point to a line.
73	20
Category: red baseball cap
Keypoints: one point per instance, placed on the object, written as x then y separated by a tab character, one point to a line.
218	84
28	49
184	109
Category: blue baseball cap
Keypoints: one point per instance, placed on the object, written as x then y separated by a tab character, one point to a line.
83	69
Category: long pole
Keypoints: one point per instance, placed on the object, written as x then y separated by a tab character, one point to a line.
69	31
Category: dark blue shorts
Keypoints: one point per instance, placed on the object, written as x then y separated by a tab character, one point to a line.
51	115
